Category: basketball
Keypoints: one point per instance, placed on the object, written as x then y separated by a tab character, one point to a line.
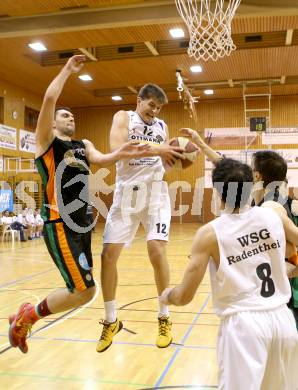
191	152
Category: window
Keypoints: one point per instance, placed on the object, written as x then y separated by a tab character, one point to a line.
31	117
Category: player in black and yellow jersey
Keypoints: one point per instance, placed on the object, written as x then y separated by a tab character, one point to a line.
63	164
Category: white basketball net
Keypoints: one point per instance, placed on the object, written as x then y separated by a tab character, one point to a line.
209	27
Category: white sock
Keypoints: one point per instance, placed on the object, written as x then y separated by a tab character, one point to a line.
110	310
163	309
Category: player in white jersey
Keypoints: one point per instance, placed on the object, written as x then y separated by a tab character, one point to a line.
141	196
257	345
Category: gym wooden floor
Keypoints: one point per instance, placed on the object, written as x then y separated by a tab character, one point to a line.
62	347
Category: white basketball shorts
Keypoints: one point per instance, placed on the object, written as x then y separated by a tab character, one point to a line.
258	351
131	206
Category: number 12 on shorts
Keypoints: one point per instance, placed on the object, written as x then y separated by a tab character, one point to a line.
161	228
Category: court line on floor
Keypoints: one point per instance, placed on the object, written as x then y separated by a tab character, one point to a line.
139	300
128	285
60	319
69	379
125	321
16	281
129	343
178	349
198	387
12	303
20	247
94	380
41	242
36	261
71	313
139	310
75	311
46	326
32	289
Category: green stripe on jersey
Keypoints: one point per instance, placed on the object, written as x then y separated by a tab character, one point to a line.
54	248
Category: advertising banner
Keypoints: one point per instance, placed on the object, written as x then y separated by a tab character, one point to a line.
6	200
27	141
8	137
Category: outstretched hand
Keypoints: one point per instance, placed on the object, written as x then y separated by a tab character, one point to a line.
170	154
75	63
193	134
134	150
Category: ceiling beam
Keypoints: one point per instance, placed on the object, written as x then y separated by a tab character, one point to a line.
236	83
158	48
151	12
89	19
289	37
151	48
230	82
89	53
132	89
200	86
251	8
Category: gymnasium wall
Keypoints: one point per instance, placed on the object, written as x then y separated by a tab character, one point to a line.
94	124
16	99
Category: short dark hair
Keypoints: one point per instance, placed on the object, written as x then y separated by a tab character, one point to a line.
270	165
153	91
233	180
62	108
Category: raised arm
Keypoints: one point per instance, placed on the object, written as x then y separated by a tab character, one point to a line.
44	129
127	150
119	130
201	251
211	154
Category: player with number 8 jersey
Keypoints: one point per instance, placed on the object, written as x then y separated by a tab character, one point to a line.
250	243
257	346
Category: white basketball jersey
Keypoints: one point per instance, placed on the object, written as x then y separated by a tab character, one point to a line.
252	270
146	169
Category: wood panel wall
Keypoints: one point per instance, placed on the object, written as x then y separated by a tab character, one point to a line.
94	124
15	99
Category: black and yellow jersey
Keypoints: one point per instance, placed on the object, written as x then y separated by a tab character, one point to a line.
64	170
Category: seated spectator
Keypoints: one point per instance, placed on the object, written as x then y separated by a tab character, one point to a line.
13	224
38	222
6	218
21	220
30	222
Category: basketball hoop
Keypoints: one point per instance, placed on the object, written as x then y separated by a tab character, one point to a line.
209	27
